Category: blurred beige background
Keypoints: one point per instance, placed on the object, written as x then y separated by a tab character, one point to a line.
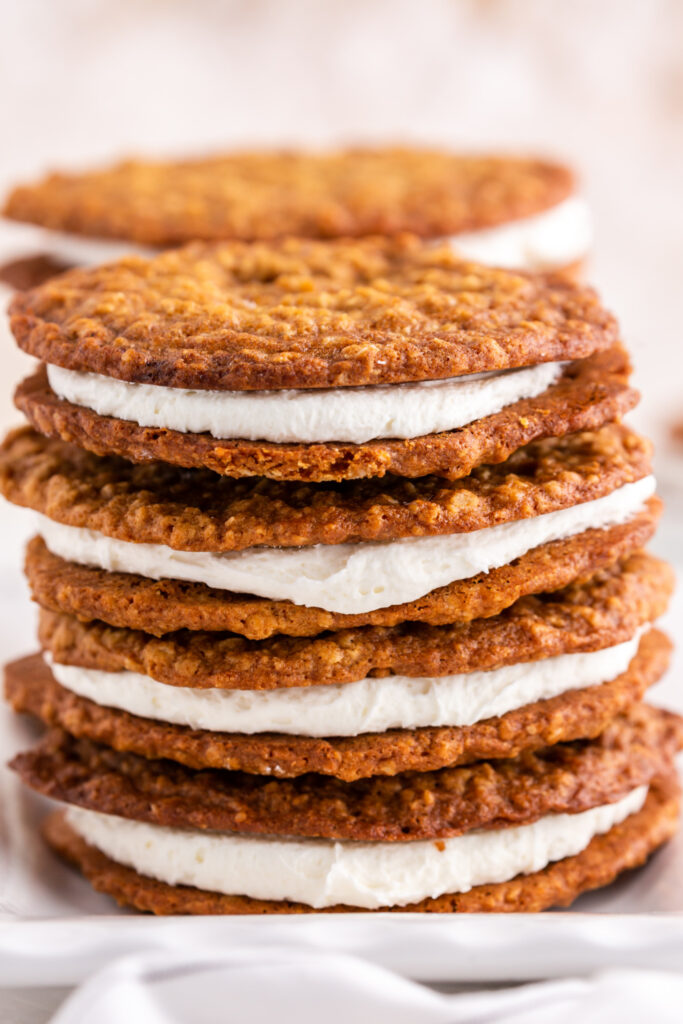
598	83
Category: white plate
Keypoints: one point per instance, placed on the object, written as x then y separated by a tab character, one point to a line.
475	949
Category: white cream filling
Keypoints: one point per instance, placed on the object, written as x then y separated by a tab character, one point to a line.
556	238
308	416
349	709
77	250
322	873
351	578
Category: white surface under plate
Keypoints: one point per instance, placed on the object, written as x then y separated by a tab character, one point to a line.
54	930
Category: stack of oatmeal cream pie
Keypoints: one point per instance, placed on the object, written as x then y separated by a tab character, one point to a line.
343	597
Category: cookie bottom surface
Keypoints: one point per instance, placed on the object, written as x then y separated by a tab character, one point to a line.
28	272
577	714
565	778
625	846
590	392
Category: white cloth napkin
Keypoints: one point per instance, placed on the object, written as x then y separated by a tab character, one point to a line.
279	986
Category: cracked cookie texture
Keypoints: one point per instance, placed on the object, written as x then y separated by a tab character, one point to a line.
301	314
196	510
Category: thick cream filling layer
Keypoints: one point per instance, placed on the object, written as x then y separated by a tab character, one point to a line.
308	416
351	578
349	709
322	873
556	238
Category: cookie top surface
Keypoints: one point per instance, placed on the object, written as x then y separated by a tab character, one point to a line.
303	314
265	195
196	510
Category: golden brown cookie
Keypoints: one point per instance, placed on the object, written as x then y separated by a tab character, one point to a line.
196	510
301	314
625	846
164	606
262	195
577	714
566	778
590	393
602	612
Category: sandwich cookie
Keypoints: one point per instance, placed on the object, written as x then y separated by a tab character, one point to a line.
370	700
31	687
164	606
350	548
317	362
581	395
373	683
414	842
625	845
502	210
